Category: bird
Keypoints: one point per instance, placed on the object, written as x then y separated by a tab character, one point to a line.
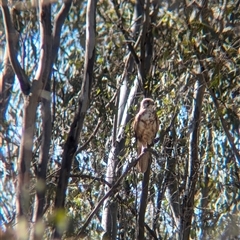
145	125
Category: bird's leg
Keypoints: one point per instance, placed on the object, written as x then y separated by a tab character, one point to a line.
144	147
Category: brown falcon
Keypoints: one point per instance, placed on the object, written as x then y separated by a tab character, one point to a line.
145	125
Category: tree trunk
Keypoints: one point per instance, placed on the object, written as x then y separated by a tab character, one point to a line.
39	202
70	146
30	106
110	210
143	203
193	161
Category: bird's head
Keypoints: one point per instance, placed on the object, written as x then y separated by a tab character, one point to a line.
147	103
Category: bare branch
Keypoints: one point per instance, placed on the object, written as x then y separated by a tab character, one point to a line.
44	66
91	137
58	23
11	37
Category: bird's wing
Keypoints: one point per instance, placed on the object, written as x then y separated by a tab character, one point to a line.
139	129
138	125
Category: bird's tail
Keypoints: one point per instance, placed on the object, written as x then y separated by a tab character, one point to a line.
144	161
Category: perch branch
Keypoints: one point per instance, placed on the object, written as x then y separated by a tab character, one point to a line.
117	183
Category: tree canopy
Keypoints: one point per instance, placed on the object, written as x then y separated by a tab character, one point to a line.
73	75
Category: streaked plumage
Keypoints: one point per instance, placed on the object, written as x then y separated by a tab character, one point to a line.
145	125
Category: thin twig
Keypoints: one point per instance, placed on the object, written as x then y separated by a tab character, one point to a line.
90	138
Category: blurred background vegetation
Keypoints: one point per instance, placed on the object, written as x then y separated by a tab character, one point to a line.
175	42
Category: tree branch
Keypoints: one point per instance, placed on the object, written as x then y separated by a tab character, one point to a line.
110	191
187	208
11	37
224	126
102	180
57	29
91	137
70	146
44	67
143	202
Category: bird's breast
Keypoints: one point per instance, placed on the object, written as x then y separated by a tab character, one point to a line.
148	117
147	127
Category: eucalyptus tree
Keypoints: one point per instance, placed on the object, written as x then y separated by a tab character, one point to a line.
34	89
77	167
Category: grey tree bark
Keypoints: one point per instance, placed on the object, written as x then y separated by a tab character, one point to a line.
30	105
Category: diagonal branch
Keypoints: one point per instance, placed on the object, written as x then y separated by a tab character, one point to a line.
11	37
102	180
57	29
224	125
110	191
91	137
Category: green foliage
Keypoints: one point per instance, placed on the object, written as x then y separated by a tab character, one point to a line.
183	39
